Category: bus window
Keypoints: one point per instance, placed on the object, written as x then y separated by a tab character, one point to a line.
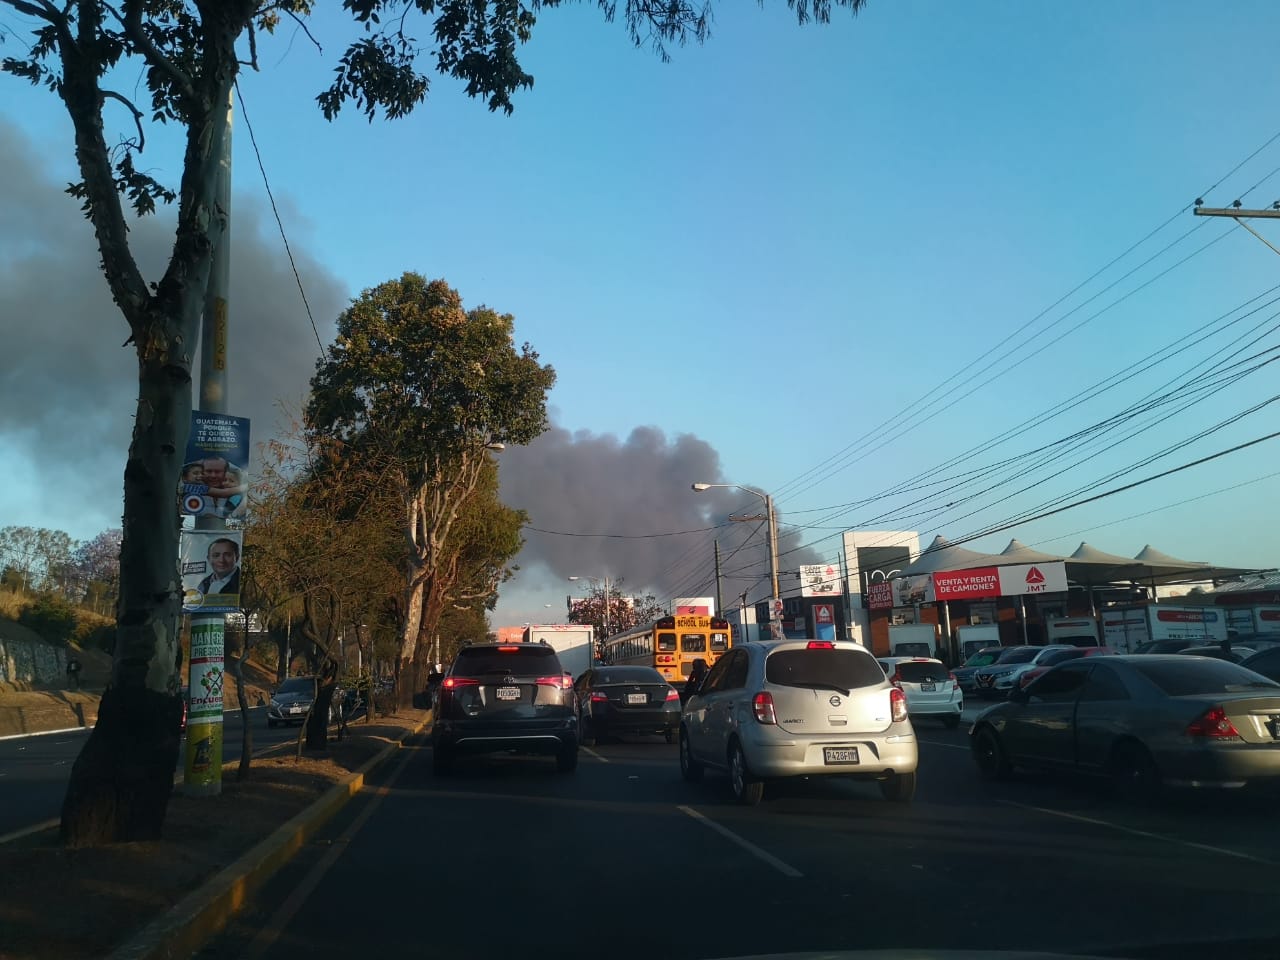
666	641
719	641
693	642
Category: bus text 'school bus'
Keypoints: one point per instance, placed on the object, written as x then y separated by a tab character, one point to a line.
670	645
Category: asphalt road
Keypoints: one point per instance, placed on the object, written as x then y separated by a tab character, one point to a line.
34	770
623	859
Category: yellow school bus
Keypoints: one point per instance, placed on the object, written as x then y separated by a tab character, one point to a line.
670	645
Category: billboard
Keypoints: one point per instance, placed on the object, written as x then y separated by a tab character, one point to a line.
694	606
1011	581
210	568
908	591
214	480
819	580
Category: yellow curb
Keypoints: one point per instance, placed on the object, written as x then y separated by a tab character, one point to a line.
203	914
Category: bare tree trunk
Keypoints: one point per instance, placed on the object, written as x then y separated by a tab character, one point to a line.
409	646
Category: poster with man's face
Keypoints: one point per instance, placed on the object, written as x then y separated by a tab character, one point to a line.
211	570
214	480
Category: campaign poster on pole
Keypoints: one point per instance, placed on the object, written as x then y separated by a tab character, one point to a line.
203	765
210	567
215	471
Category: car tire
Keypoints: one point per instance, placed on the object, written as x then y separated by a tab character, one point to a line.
746	790
989	755
951	722
442	760
1134	772
567	759
900	788
690	768
669	736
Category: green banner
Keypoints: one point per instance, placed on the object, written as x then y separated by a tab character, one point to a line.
203	767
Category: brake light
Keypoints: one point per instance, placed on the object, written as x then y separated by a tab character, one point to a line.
898	704
820	645
508	649
672	694
561	682
896	679
762	704
955	684
598	697
1213	723
452	683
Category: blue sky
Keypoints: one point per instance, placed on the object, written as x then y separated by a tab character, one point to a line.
780	240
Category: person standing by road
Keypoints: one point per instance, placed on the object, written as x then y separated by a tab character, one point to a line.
73	673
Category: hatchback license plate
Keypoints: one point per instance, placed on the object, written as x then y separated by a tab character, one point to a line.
839	754
508	693
637	698
928	687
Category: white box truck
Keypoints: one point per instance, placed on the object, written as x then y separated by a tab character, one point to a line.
913	640
1244	621
972	637
573	643
1126	629
1077	631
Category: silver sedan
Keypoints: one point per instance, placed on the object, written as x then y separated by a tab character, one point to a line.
1143	720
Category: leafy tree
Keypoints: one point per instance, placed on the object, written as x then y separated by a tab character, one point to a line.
416	382
97	565
51	617
38	554
189	53
624	612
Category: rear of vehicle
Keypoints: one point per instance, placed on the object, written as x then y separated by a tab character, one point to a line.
1050	660
628	700
506	697
800	709
931	689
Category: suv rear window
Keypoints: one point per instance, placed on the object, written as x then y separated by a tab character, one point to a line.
922	672
846	669
532	660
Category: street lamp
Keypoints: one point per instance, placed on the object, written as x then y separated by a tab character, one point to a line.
606	602
769	516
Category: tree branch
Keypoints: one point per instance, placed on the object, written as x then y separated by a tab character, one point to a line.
132	23
44	11
137	115
305	29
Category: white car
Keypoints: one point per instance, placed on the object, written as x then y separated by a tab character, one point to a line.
932	690
799	708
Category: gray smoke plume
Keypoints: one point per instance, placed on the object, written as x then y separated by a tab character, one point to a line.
581	483
68	386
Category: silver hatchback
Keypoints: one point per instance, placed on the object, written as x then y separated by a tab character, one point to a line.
799	708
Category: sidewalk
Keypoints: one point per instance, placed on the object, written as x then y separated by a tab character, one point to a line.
37	711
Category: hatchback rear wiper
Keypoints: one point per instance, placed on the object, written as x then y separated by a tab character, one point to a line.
819	686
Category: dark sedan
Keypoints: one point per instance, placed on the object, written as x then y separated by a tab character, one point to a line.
1265	662
618	700
1144	720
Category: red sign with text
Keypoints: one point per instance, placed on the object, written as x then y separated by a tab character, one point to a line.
976	584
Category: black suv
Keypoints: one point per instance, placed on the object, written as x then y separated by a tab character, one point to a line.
510	696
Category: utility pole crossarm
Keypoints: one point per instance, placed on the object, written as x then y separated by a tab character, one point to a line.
1271	213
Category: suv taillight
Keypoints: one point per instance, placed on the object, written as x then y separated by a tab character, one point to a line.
1214	724
561	682
897	704
762	704
452	683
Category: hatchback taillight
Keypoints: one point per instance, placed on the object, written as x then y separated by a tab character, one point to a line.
897	704
955	684
762	704
1214	724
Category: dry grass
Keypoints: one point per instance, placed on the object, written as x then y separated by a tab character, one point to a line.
74	904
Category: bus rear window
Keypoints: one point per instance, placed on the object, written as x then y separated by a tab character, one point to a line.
719	641
666	641
693	642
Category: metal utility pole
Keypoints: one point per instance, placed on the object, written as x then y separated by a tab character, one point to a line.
202	770
719	601
1236	213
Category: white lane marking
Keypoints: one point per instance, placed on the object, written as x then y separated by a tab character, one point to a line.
590	752
939	743
783	868
27	831
268	935
45	733
1162	837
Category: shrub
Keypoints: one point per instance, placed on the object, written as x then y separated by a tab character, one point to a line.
51	617
94	631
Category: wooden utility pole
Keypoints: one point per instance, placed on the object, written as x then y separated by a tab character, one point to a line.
1237	213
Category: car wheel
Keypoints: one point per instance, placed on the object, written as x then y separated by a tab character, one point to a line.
1134	772
900	788
442	762
989	755
951	722
588	733
746	790
690	768
669	736
567	759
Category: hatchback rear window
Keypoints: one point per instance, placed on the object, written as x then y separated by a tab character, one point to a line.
532	660
1199	677
922	672
845	669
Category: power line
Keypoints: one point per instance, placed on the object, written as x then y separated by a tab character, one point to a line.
279	222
